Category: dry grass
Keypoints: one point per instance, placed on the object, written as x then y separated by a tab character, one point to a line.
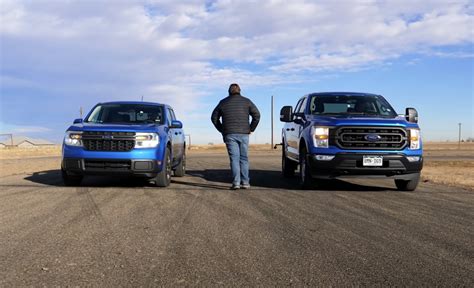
465	146
221	147
453	173
28	166
18	153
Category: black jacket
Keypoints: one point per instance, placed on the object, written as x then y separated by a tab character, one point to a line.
235	111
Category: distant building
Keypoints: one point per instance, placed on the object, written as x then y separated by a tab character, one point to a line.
24	142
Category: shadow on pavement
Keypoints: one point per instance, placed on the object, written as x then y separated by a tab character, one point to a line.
219	179
53	178
275	180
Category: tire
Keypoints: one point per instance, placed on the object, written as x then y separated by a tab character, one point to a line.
180	170
163	179
306	181
408	185
71	180
288	167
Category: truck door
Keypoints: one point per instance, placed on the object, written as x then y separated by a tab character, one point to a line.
291	132
299	121
177	137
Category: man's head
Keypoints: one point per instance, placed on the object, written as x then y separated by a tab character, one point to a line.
234	89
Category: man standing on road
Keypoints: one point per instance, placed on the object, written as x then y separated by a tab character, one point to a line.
235	128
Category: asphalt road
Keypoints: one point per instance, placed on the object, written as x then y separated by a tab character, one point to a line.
116	232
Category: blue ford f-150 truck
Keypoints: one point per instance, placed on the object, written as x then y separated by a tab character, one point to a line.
140	139
336	134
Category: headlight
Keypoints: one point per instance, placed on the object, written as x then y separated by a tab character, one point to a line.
414	139
73	138
146	140
320	136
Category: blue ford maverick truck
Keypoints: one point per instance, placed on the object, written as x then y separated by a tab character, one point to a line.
335	134
139	139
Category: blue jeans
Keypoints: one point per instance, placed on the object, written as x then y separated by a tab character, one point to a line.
237	147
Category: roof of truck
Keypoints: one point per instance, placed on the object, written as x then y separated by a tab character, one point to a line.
342	93
132	102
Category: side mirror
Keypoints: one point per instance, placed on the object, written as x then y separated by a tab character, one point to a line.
286	114
175	124
411	115
78	121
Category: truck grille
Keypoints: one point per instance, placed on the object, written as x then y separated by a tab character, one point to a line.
108	141
371	138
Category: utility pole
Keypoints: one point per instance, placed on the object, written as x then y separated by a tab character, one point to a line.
189	143
459	143
142	98
80	111
271	147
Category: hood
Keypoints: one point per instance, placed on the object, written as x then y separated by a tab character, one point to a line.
114	127
360	121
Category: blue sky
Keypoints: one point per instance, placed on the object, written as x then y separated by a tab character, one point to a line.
58	56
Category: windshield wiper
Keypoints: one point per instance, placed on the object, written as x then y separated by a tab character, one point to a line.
364	113
323	114
150	121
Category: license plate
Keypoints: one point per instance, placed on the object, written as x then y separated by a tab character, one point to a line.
372	160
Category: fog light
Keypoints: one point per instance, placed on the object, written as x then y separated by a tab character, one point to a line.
413	158
325	157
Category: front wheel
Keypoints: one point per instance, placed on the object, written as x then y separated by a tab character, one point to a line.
180	170
71	180
408	185
306	181
288	167
163	178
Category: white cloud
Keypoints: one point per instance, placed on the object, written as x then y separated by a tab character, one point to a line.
180	52
152	38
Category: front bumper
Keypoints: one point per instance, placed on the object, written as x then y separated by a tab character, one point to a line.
134	167
348	164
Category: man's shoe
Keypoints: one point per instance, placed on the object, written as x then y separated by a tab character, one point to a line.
234	187
245	186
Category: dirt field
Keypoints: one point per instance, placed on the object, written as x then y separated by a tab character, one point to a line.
444	162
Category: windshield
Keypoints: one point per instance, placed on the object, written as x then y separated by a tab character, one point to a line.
127	114
369	105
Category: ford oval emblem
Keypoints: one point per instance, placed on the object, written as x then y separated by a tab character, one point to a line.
373	137
108	137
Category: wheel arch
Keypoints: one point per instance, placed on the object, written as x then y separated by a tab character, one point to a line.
302	144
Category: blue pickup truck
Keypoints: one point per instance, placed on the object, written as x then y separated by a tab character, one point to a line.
336	134
139	139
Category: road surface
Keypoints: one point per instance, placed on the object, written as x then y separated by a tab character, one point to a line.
114	232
